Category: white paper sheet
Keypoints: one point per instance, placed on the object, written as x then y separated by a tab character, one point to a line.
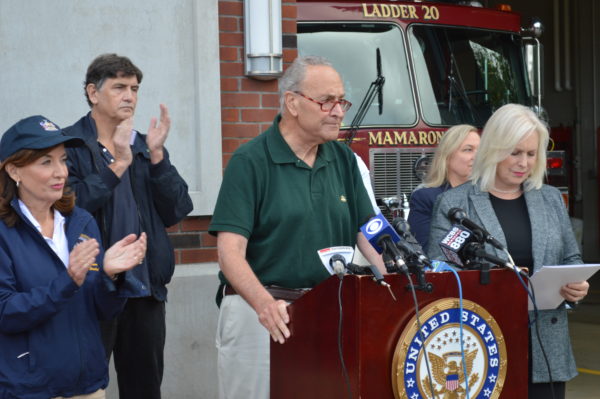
548	280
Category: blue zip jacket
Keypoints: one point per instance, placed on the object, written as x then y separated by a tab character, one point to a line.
49	330
160	193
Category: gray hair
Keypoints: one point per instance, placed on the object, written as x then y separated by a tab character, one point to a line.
510	124
450	142
294	75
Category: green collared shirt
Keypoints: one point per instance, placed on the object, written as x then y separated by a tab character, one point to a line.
288	210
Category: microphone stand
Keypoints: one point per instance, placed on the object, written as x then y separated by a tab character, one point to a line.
474	261
395	264
422	285
417	270
477	252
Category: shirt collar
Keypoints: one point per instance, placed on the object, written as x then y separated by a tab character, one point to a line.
280	151
59	219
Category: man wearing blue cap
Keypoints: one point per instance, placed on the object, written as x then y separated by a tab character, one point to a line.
125	179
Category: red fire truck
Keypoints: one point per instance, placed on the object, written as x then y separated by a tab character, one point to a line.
433	65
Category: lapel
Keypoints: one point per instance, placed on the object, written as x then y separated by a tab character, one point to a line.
482	208
539	229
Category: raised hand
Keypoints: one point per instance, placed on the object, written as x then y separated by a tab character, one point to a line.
125	254
81	258
157	135
122	149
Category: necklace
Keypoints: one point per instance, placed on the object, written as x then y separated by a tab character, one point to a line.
507	191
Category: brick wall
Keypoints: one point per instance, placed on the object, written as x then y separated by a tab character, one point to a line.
248	107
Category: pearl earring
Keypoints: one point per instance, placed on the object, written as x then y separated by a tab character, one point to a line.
18	182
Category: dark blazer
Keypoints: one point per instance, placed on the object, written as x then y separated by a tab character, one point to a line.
553	243
422	201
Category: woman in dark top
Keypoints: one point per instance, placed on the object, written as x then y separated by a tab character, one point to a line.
451	167
507	197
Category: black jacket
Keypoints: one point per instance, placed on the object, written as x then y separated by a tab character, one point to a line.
160	193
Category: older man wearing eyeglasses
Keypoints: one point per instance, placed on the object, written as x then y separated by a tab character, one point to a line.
286	194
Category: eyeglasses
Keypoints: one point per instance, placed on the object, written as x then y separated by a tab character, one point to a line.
327	106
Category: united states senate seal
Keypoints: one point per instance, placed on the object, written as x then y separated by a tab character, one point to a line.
433	357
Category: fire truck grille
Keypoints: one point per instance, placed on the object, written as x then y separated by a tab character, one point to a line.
392	171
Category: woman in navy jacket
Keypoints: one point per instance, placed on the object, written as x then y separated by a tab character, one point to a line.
55	282
451	166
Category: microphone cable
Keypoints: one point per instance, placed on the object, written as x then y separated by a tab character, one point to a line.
339	339
419	326
531	294
445	267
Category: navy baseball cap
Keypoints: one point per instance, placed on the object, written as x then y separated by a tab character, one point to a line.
33	133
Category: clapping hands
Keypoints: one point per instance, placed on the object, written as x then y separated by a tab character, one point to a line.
125	254
157	135
81	258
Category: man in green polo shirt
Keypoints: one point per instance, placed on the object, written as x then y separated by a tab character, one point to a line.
286	194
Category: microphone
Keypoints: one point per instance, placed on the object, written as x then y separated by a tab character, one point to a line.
410	245
462	247
335	259
367	270
382	236
338	264
372	270
476	251
453	243
459	216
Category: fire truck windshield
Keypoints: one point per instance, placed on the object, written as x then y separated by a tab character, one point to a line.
464	74
351	48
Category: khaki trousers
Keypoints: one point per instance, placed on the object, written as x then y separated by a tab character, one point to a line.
243	347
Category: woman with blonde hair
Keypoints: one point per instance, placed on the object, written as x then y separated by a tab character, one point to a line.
507	197
451	166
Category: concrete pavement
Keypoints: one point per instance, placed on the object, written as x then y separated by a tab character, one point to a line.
584	325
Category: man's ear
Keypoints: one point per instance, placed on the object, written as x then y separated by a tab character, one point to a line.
290	101
92	93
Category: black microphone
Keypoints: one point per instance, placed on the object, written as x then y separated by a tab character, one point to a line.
453	243
367	270
473	250
477	251
373	271
462	247
409	244
458	216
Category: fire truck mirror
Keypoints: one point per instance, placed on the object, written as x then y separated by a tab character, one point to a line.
535	30
533	55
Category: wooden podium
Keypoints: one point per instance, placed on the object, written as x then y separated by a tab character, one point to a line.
308	364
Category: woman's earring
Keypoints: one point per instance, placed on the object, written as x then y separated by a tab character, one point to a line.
18	182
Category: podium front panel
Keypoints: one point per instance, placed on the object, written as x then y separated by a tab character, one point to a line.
308	365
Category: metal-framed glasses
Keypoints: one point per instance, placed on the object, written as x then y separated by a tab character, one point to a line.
327	106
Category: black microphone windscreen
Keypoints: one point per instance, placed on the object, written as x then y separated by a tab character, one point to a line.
456	215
